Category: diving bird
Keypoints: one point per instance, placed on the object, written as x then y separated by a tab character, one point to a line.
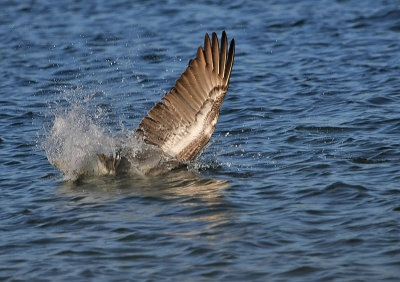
177	128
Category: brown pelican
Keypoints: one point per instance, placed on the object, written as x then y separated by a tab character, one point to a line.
178	127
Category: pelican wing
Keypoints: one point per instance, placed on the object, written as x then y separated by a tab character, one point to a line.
187	116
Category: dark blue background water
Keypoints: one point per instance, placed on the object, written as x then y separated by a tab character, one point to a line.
300	181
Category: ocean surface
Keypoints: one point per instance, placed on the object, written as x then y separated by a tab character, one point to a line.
300	180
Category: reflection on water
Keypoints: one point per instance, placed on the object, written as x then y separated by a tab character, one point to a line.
181	186
189	203
177	183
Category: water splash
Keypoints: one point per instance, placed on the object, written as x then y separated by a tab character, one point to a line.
75	138
77	135
79	132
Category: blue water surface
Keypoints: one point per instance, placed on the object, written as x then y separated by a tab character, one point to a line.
300	181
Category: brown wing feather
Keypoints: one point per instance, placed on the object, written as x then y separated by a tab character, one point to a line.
183	123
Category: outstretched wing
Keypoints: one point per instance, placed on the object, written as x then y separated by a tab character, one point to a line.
187	116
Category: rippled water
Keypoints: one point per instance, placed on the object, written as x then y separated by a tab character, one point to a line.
300	180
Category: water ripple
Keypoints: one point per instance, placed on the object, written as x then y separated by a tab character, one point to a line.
299	181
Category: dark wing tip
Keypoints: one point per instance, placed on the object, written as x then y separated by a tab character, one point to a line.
230	59
206	39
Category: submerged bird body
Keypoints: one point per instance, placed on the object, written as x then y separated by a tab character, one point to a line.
178	127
